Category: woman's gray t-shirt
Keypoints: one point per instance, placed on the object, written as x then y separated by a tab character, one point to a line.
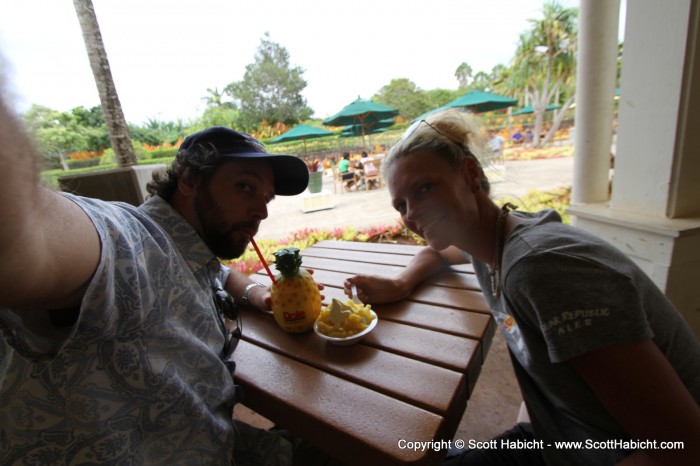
566	292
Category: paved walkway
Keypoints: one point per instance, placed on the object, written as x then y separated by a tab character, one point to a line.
373	208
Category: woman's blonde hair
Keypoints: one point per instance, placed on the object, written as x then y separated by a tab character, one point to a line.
452	134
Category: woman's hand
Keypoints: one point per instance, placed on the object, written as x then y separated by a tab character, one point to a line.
373	289
376	290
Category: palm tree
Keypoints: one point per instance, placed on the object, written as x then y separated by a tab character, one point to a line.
498	74
463	73
111	107
544	66
214	97
481	82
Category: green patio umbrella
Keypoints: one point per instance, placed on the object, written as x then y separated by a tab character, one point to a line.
301	132
370	128
362	113
353	131
480	101
529	109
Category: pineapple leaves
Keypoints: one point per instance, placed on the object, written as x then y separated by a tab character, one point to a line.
288	261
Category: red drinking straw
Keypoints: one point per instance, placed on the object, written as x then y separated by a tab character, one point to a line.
262	259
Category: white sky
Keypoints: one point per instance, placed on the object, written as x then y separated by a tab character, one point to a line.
164	54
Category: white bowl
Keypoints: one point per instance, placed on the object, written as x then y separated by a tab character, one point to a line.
348	340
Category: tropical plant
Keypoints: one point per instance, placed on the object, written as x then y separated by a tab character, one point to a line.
463	73
55	143
544	67
439	97
215	98
89	117
271	88
219	116
481	82
156	133
558	199
108	157
498	74
404	95
312	164
58	134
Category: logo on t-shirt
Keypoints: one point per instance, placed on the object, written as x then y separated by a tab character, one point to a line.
511	332
571	321
509	324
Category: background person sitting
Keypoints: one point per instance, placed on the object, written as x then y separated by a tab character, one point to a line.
359	165
369	170
347	176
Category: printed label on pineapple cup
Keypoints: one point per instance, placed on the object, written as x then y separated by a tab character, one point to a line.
294	321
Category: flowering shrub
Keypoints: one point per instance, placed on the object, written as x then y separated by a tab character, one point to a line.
549	152
164	145
85	155
312	165
250	263
558	199
268	131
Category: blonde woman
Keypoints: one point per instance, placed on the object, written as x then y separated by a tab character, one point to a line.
600	354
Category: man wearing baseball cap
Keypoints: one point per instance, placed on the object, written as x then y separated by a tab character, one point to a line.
115	348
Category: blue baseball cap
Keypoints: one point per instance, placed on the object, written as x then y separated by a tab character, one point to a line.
291	173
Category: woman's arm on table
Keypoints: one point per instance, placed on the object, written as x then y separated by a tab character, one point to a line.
427	262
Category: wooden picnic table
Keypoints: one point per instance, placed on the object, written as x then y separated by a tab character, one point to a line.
407	381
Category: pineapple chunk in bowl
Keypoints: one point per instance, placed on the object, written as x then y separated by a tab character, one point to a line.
345	323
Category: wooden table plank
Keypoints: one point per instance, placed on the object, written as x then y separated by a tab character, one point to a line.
351	425
440	349
455	280
338	271
424	385
457	353
345	255
450	297
396	249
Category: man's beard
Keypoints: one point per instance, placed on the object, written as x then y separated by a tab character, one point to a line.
218	236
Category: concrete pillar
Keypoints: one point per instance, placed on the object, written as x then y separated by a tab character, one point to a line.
653	215
595	91
657	131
